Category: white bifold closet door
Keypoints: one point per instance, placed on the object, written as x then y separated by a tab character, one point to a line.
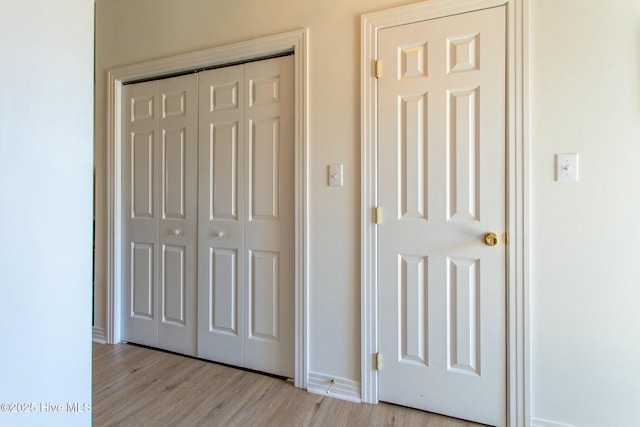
246	216
208	215
159	202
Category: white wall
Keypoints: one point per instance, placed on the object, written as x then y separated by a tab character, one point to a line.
585	97
130	31
46	128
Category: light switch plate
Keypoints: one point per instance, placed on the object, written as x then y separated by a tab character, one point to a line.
567	167
335	175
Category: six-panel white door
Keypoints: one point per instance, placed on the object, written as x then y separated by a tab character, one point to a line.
159	213
441	187
246	216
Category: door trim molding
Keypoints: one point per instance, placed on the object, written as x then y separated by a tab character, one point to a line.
517	398
294	41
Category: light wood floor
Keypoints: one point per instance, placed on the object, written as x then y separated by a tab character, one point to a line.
135	386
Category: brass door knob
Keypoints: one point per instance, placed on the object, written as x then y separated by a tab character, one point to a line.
491	239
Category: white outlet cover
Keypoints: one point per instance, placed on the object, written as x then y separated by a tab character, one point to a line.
567	167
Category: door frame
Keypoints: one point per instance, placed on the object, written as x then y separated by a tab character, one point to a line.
517	193
295	42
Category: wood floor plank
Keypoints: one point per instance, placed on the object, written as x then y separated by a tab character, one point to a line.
136	386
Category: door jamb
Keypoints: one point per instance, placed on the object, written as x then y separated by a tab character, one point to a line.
296	41
518	338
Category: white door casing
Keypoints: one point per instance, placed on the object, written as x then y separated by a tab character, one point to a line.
159	213
517	397
246	216
294	41
441	187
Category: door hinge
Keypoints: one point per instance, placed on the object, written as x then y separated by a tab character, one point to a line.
378	361
506	238
377	216
378	69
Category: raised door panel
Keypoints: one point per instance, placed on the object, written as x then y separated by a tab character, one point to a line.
463	316
174	173
413	310
223	171
264	279
463	145
412	147
142	281
174	285
264	158
142	174
223	290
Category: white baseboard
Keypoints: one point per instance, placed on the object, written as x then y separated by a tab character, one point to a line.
342	388
99	335
536	422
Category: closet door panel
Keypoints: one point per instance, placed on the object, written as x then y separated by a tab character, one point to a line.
139	213
221	208
269	220
159	213
178	127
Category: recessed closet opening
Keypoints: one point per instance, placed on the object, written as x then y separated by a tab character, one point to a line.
208	206
208	215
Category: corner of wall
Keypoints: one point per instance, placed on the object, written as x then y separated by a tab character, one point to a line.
98	335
